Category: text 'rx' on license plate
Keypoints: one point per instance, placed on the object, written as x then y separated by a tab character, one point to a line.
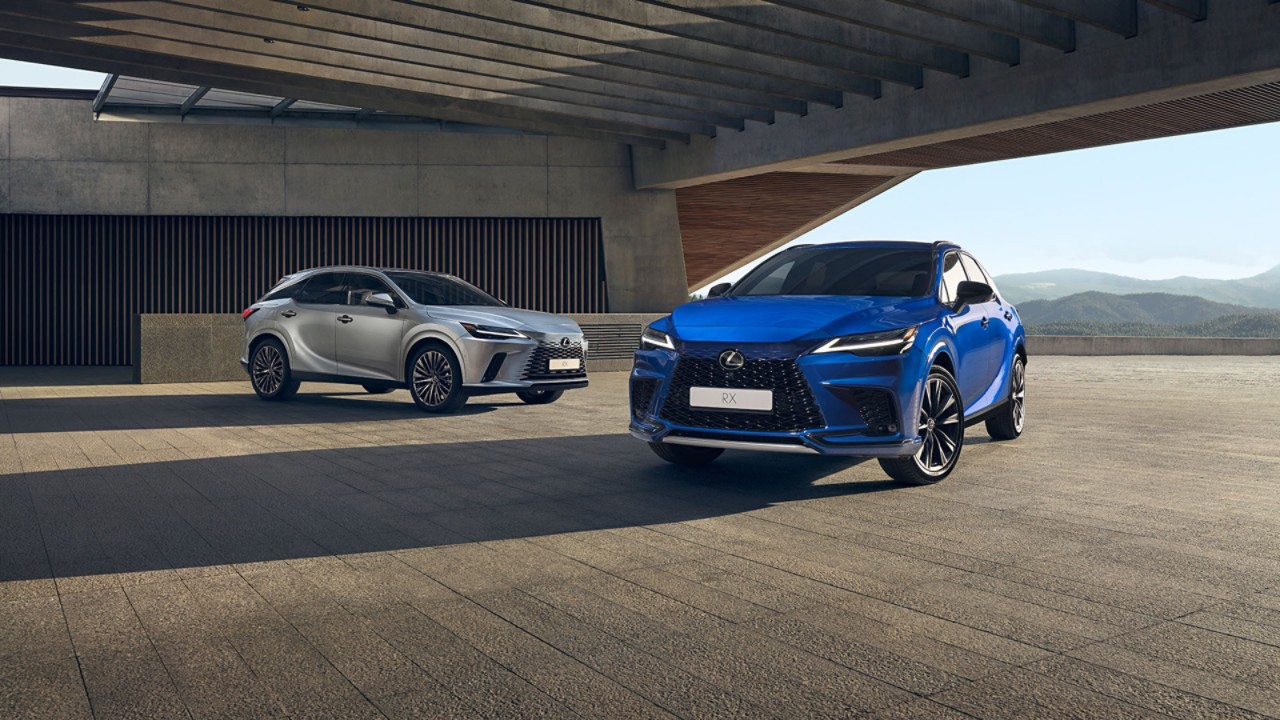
731	399
567	364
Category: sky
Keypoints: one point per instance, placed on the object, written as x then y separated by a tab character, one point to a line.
1202	205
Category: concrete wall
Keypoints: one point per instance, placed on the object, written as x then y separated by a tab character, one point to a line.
1073	345
187	348
56	159
206	348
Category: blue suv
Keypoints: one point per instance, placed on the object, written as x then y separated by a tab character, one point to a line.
872	349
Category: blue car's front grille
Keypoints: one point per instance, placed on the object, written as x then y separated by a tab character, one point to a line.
794	408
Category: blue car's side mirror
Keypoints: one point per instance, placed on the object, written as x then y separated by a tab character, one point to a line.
973	293
718	290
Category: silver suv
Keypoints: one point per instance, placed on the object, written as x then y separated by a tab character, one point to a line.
440	337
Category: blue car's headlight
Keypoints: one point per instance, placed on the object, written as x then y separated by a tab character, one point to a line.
656	338
892	342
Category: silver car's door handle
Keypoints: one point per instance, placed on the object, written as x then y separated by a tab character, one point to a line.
344	319
288	313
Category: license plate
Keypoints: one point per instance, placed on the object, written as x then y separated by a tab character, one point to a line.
567	364
731	399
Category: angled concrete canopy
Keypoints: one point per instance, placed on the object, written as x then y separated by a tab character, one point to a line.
766	117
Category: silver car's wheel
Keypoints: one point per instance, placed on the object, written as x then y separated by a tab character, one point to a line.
436	380
269	372
940	427
1008	423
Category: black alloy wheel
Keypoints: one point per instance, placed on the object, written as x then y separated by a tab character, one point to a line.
435	379
269	371
539	397
691	455
941	430
1008	423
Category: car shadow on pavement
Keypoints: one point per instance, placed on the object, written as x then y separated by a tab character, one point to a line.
156	412
311	503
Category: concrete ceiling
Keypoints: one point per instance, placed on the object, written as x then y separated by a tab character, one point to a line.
648	72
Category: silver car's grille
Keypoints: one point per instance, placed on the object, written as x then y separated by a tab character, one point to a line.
538	367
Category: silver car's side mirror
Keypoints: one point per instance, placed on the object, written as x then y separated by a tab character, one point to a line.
382	300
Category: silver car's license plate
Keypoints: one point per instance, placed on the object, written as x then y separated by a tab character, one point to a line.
731	399
567	364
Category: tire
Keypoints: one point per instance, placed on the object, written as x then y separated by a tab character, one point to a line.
539	397
377	389
689	455
269	371
435	379
941	423
1012	418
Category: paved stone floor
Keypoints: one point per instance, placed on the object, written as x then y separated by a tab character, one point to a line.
190	551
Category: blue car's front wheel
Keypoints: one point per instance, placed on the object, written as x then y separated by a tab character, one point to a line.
941	430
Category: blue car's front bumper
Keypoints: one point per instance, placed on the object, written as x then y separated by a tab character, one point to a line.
830	403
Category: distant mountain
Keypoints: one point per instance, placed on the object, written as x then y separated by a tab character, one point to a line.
1146	314
1259	291
1266	325
1144	308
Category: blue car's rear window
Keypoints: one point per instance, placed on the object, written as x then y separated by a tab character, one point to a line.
842	271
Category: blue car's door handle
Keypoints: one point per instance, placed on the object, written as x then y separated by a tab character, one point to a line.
1008	315
986	321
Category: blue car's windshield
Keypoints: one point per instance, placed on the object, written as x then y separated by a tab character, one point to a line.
433	289
901	272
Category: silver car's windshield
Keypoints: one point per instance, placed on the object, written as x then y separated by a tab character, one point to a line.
432	289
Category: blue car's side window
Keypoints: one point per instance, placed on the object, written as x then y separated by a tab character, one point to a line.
979	273
952	276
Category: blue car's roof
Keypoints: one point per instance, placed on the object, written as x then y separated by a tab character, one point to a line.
882	243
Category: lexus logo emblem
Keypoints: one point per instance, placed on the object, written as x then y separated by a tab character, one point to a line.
732	360
565	342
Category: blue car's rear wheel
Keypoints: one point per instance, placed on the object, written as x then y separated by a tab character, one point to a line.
685	454
1008	424
941	429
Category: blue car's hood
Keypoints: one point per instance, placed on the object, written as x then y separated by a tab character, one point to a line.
778	319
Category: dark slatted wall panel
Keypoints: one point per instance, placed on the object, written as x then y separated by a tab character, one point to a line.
72	283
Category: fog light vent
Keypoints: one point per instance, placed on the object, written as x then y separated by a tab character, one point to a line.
494	366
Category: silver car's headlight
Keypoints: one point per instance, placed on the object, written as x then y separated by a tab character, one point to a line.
489	332
656	338
892	342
